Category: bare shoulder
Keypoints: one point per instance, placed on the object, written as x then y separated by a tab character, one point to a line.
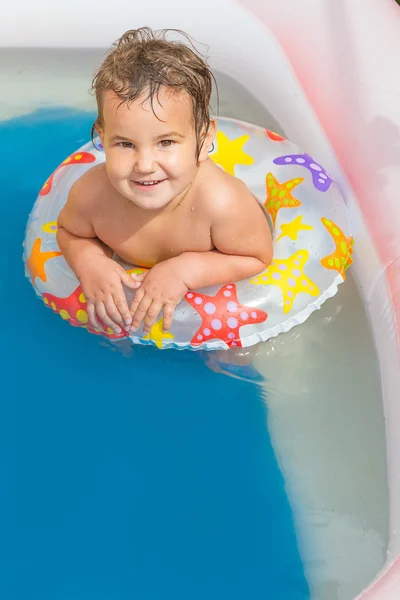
238	224
222	193
88	192
85	198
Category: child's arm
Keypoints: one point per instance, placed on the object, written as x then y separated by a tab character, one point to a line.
204	269
101	278
242	240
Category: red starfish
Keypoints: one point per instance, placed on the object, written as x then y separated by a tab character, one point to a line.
73	310
77	158
222	316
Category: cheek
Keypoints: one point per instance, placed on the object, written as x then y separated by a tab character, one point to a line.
180	162
118	164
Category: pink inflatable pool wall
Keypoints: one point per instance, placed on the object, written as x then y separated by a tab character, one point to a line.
346	57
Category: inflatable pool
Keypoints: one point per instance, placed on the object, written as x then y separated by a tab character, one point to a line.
312	65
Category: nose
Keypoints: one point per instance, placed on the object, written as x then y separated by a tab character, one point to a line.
144	162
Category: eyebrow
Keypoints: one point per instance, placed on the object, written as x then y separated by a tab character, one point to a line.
168	135
164	136
119	137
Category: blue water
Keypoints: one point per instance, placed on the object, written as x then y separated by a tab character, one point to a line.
148	477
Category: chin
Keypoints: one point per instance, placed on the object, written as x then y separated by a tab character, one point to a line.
150	203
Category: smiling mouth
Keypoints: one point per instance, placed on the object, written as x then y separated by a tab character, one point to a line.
151	184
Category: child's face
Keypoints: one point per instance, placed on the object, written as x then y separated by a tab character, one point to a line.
151	160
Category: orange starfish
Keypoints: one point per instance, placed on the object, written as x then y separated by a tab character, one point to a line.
340	259
37	260
279	195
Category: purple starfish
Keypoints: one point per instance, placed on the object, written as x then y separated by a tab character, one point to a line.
321	179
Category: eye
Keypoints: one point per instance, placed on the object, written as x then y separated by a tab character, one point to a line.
167	143
125	144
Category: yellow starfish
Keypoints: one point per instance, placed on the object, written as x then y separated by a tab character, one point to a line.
292	229
340	259
157	334
230	152
279	195
37	260
288	274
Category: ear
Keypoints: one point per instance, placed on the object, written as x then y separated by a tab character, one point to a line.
100	132
208	140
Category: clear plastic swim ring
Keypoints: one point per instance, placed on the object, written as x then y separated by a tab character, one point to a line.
312	247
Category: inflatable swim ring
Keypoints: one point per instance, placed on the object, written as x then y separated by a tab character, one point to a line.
311	236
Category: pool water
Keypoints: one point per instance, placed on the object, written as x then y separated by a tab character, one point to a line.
149	475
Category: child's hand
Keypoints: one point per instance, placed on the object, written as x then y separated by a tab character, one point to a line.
101	282
161	288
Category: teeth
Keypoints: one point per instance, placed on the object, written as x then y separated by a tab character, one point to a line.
147	182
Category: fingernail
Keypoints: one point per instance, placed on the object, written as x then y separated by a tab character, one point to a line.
117	329
134	328
128	321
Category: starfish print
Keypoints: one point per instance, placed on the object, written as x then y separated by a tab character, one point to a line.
222	315
274	136
50	227
230	152
136	270
36	261
73	310
288	274
158	335
321	179
75	158
292	229
340	259
279	195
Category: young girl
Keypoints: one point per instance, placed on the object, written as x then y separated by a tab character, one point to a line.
158	201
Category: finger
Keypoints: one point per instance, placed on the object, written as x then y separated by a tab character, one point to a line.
151	316
138	276
92	317
168	312
130	282
103	316
122	307
112	311
136	300
140	312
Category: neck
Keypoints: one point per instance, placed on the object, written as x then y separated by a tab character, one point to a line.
176	202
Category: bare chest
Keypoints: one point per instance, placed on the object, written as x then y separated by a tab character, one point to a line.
145	241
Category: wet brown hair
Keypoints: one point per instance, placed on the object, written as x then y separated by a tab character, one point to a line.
143	60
